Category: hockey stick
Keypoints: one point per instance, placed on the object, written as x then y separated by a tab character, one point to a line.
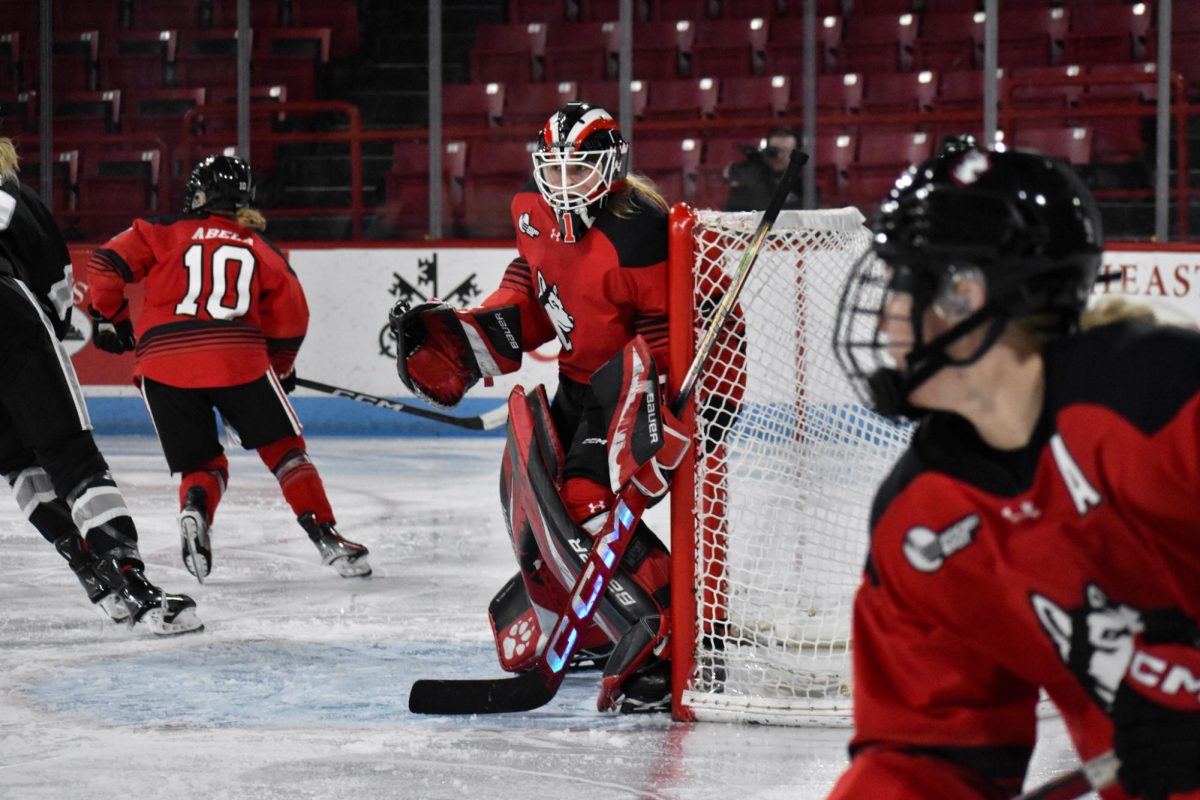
484	422
537	687
1096	774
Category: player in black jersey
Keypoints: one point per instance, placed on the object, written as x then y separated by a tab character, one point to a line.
47	452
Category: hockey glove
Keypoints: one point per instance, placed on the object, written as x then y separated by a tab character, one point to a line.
646	442
287	381
441	352
1156	715
113	334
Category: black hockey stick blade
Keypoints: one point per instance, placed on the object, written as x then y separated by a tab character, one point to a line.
1096	774
484	422
523	692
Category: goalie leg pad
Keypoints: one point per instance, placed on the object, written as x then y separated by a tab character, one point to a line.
551	546
646	442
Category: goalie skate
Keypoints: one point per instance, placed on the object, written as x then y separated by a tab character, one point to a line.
195	535
348	558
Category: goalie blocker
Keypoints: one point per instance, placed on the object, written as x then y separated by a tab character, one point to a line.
441	351
553	515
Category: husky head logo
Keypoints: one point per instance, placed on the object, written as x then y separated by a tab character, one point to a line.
526	227
564	323
1095	641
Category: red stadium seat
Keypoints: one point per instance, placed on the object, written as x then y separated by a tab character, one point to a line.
65	177
340	17
729	47
960	90
1120	139
662	50
87	113
683	9
180	15
474	104
530	105
264	14
580	51
20	111
208	57
882	156
139	60
891	7
1113	34
690	98
88	15
160	112
878	43
495	172
120	183
537	10
1031	36
1144	89
76	61
950	41
605	11
836	94
767	9
1070	144
606	95
762	96
1051	87
899	92
834	153
712	190
785	45
508	52
292	57
406	209
10	60
671	163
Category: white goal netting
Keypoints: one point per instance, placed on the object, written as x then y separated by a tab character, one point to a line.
789	467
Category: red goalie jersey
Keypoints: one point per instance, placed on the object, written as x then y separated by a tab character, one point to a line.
993	574
221	303
594	294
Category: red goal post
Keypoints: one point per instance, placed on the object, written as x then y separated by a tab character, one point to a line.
769	513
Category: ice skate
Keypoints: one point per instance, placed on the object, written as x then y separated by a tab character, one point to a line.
348	558
195	536
647	690
162	613
82	563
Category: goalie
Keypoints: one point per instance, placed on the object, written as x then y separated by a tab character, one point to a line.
591	271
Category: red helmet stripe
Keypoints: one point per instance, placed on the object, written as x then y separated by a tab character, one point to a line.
602	124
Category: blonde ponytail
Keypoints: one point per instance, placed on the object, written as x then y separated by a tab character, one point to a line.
622	201
8	160
251	218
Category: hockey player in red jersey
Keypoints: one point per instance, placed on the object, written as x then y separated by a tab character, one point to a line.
1040	531
47	453
591	272
220	326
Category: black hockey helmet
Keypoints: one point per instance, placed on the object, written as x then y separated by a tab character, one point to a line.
1023	220
219	183
579	158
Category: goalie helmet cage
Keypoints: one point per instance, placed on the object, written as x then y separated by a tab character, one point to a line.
769	514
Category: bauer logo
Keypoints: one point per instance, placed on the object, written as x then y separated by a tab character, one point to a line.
421	284
927	549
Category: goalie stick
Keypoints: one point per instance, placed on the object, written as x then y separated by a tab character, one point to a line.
1096	774
484	422
538	686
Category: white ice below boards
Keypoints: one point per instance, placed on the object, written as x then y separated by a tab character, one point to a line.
298	688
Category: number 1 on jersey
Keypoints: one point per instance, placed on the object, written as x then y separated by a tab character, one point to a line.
193	262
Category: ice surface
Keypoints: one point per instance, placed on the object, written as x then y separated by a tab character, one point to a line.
298	688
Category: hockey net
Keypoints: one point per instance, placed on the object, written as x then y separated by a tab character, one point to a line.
770	517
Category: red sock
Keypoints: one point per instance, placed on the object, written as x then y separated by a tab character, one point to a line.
298	477
211	476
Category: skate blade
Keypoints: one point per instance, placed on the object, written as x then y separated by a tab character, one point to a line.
113	608
195	561
184	621
352	568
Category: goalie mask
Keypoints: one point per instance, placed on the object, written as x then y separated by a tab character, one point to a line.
219	183
1022	224
579	160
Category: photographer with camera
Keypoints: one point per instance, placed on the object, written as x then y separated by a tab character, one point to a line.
753	180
